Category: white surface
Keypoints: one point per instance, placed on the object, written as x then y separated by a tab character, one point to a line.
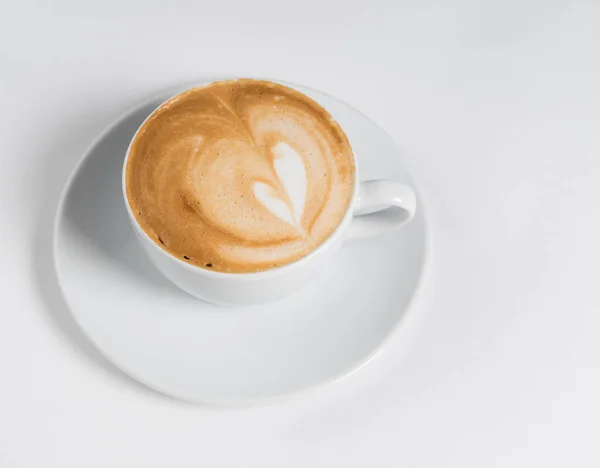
199	352
496	108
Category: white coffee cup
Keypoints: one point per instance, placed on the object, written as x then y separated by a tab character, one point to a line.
377	206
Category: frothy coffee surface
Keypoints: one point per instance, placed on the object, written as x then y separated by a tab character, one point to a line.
240	176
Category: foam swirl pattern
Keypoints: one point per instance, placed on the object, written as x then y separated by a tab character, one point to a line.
240	176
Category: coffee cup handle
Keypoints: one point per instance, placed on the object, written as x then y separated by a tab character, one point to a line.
382	205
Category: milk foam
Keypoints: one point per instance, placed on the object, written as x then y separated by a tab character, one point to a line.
240	176
290	170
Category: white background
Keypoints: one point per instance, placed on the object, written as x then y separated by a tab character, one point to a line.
496	107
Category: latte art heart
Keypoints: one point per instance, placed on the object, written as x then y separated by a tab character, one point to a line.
240	176
291	172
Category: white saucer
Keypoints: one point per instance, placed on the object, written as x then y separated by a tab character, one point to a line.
198	352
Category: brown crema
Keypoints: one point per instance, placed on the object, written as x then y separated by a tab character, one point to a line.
240	176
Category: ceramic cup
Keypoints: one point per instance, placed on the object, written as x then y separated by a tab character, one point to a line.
377	206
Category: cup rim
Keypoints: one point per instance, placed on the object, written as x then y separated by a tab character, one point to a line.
276	271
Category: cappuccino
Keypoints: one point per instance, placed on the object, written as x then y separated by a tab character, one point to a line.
240	176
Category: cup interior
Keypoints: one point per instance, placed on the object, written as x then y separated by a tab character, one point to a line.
149	241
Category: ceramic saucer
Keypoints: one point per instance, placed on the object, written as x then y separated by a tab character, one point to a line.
195	351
